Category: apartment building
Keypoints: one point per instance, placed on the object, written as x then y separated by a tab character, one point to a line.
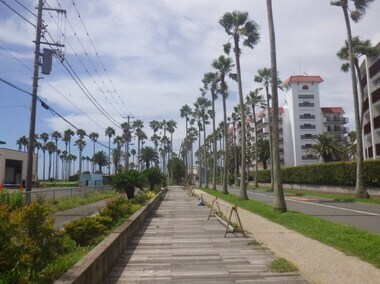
301	119
370	81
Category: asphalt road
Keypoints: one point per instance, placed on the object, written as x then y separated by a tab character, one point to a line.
356	214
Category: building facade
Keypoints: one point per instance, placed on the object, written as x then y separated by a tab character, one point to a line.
301	119
13	167
370	81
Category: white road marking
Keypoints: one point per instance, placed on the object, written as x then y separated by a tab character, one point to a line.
323	205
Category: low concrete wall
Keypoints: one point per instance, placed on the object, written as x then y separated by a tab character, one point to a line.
97	264
373	192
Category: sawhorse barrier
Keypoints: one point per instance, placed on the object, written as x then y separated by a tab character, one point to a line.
189	190
229	211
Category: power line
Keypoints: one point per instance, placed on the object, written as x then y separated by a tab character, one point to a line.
21	16
22	5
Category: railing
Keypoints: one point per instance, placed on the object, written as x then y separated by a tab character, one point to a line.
55	193
306	104
308	136
309	157
306	126
302	116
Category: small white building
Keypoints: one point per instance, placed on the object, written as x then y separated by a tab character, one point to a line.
13	167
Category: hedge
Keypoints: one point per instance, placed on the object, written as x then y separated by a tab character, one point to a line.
336	173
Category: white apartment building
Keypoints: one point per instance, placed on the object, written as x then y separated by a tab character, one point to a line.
301	119
370	70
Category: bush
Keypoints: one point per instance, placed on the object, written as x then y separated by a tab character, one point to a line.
11	200
336	173
115	209
85	231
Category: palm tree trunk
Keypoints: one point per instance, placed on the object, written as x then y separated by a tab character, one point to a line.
225	165
44	166
186	154
199	160
360	190
205	153
243	185
256	165
214	145
270	129
279	199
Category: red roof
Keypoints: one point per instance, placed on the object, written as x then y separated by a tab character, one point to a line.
332	110
303	79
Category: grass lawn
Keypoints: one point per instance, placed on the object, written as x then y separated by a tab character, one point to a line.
349	240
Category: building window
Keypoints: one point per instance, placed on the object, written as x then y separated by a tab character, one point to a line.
307	116
306	97
306	104
305	87
307	126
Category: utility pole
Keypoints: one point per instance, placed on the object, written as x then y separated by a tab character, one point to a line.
32	125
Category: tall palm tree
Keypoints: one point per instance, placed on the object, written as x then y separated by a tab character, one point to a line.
360	7
264	77
171	126
254	99
148	155
93	137
210	83
192	134
44	137
185	112
50	147
223	66
63	158
109	132
201	107
80	143
279	198
133	153
238	26
126	127
116	157
56	135
138	125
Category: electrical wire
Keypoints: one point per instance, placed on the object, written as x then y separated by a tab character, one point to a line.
21	16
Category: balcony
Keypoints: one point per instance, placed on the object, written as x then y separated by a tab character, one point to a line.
307	126
307	116
309	157
310	97
336	129
308	136
336	119
306	104
376	96
367	128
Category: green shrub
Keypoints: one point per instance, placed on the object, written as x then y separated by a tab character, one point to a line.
85	231
336	173
115	209
13	200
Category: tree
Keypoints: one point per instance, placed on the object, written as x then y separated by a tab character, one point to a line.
325	147
210	83
356	14
80	143
223	66
264	77
192	134
148	155
254	99
263	152
138	125
178	170
116	156
155	125
154	177
127	182
185	113
44	137
56	135
201	106
239	27
171	126
100	158
93	137
127	138
50	147
279	198
109	132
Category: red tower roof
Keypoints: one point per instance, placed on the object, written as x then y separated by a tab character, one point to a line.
303	79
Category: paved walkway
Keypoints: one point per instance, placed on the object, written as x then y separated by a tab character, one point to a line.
177	244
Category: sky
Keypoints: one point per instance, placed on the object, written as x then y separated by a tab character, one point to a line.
146	59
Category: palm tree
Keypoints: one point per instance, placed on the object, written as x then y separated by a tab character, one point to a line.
201	106
116	157
171	126
44	137
263	152
80	143
210	83
148	155
138	125
254	99
279	198
100	158
93	137
192	134
50	147
239	27
133	153
264	77
185	113
224	65
356	14
325	147
56	135
63	158
109	132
